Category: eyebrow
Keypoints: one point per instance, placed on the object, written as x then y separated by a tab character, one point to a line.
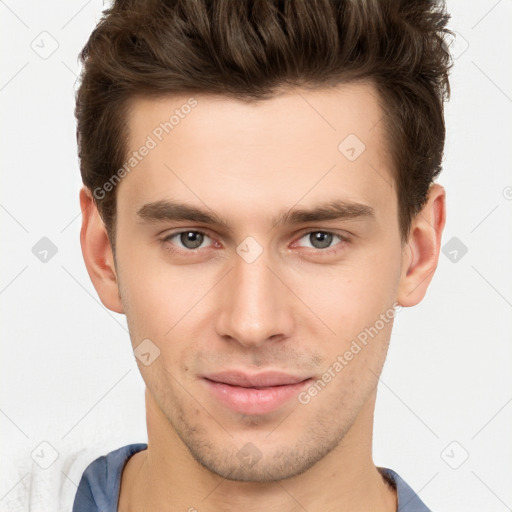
166	210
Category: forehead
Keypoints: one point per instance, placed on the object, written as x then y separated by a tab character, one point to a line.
347	108
298	146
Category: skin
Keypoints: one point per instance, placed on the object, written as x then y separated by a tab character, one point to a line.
207	309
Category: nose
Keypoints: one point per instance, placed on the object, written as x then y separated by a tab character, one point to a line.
256	304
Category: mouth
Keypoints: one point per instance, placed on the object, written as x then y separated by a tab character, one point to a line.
254	394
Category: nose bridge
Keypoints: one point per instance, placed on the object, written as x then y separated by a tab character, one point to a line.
254	308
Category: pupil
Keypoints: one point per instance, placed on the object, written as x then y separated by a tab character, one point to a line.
187	239
320	239
324	239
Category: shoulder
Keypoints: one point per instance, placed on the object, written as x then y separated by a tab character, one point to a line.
99	486
408	500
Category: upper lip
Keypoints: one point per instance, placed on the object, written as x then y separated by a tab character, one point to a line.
263	379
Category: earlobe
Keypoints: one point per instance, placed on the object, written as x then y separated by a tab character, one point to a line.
97	253
421	253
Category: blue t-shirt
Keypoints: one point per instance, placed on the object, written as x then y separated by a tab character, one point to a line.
98	490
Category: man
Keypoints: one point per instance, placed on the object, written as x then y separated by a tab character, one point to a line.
259	201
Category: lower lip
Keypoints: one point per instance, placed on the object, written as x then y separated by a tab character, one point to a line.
252	400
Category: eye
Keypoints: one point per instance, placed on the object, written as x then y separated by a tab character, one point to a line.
190	239
322	240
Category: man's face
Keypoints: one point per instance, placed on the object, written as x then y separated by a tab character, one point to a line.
249	296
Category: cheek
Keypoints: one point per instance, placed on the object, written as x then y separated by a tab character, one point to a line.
164	300
156	291
353	295
165	304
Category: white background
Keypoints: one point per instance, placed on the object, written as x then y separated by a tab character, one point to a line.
69	377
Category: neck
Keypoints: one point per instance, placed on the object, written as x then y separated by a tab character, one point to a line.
166	477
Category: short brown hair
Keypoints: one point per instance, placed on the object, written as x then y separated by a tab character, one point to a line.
247	50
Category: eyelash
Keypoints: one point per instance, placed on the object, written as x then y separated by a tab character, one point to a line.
330	250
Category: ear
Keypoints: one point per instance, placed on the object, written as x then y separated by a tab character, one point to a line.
421	253
97	253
